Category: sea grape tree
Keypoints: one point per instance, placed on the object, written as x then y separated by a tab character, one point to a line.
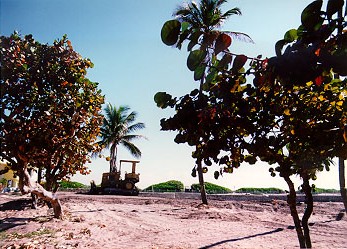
50	112
198	24
285	116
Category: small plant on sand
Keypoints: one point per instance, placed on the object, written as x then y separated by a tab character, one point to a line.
29	235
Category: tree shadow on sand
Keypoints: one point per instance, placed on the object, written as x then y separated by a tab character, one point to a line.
18	205
243	238
8	223
15	205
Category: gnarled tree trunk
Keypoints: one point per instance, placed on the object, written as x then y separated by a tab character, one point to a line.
309	209
27	186
291	200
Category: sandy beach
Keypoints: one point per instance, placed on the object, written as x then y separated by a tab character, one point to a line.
152	222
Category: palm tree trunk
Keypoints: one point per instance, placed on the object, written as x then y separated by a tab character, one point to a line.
201	182
343	182
113	160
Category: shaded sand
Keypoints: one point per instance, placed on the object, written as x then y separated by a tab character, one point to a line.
146	222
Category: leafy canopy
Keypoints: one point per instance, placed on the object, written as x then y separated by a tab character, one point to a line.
50	111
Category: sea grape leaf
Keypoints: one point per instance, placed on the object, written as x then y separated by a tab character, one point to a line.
311	15
199	72
333	7
195	58
170	32
163	100
239	62
279	46
291	35
222	43
194	38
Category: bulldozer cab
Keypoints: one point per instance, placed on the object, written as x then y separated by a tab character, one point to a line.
133	176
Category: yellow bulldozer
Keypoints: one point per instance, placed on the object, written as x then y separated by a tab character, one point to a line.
114	183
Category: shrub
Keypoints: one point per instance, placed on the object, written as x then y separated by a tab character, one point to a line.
211	188
68	184
169	186
260	190
325	191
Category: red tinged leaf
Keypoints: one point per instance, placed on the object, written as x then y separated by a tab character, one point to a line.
69	44
239	62
222	43
319	80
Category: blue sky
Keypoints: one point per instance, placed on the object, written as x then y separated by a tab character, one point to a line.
122	38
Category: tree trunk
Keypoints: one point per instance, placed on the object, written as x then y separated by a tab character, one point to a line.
341	159
39	175
309	209
113	159
27	186
201	182
343	182
291	200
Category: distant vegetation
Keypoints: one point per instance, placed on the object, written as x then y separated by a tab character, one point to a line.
260	190
211	188
69	185
325	191
169	186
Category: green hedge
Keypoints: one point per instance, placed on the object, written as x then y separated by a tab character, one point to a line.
68	185
325	191
211	188
260	190
169	186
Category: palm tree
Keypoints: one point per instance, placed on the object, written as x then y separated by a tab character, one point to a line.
117	129
206	18
203	20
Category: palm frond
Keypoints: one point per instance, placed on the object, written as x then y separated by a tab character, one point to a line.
118	124
135	127
239	36
132	149
133	137
234	11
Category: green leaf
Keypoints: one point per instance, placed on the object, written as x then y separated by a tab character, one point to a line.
195	58
301	31
216	175
250	159
333	7
225	61
278	47
239	62
170	32
194	38
211	76
163	100
291	35
311	16
199	72
222	43
185	26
